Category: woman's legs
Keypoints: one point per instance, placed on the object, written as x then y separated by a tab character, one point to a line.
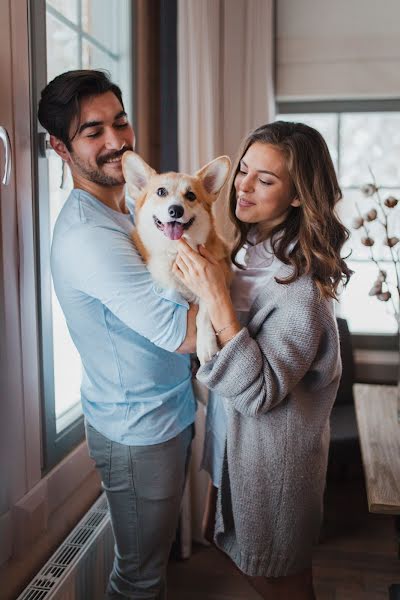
291	587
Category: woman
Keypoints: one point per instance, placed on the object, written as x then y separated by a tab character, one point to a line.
278	367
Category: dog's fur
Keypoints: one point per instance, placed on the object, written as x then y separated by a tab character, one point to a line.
173	205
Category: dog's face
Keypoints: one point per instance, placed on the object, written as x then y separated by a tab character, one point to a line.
173	205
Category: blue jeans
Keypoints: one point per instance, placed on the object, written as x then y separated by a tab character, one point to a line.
144	486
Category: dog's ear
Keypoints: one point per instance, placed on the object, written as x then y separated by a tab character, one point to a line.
136	172
214	174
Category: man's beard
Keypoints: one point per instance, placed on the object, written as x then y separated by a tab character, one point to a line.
96	175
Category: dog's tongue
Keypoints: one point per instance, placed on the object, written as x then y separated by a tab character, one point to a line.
173	230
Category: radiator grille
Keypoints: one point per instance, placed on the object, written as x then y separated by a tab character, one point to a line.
44	583
81	536
62	570
94	519
35	594
65	555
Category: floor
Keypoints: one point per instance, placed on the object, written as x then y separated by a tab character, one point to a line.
356	559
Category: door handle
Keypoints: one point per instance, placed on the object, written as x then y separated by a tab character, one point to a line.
7	155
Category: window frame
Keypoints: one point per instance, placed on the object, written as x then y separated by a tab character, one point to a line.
376	342
55	445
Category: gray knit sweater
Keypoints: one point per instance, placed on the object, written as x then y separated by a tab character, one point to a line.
280	376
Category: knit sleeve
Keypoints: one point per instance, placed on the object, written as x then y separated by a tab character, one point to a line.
256	374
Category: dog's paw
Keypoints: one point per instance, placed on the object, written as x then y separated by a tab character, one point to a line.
206	347
200	391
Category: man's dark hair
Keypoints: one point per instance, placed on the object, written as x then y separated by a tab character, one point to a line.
60	100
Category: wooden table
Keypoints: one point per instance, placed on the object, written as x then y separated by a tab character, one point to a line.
379	432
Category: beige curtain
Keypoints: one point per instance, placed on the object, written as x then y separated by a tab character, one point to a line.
225	89
225	75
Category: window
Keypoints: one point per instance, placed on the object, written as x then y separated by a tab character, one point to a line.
359	141
98	35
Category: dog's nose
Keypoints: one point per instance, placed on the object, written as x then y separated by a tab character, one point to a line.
175	211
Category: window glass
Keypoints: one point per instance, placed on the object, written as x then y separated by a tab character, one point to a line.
68	10
354	204
60	36
100	21
361	143
364	313
97	35
95	58
370	141
326	124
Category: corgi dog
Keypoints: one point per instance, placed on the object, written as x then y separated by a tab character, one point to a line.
169	206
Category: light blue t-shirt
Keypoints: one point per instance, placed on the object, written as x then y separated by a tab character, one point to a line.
135	390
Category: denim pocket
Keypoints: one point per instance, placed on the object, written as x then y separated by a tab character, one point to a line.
160	469
100	451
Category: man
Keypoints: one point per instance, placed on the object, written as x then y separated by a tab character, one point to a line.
132	336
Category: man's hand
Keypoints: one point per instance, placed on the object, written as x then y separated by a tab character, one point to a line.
189	343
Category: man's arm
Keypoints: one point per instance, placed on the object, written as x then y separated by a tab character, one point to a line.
188	345
104	264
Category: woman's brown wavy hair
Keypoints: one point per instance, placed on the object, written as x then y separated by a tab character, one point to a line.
314	224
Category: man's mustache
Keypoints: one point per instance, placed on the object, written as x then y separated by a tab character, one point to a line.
101	160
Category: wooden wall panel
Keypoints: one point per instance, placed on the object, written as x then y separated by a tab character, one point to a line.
147	84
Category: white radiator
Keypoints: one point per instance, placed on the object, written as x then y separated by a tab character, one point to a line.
80	567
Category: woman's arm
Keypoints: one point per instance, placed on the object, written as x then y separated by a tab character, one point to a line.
257	373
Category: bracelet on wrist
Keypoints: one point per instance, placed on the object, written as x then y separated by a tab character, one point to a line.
219	331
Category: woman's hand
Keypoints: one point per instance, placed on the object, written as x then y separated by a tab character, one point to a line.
200	272
205	277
